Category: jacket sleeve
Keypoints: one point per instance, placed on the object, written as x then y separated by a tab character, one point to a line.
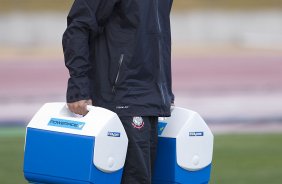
82	21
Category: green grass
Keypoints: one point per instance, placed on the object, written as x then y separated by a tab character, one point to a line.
238	159
11	156
247	159
226	4
64	5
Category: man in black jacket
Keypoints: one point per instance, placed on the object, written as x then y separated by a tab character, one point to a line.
118	53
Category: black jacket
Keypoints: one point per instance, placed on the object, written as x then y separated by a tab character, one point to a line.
118	53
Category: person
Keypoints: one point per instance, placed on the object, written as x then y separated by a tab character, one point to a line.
118	53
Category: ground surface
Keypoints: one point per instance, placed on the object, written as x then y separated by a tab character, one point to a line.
223	86
55	5
238	158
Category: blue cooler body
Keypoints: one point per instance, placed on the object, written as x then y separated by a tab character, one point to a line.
62	148
185	148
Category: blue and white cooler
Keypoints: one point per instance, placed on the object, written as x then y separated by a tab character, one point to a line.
62	148
185	149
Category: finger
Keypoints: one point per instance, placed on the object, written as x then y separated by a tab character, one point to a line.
83	112
83	108
89	102
74	107
79	107
70	107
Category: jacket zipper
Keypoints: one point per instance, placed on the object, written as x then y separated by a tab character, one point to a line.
158	16
118	73
160	50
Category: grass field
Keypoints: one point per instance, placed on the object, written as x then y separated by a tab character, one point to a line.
39	5
238	158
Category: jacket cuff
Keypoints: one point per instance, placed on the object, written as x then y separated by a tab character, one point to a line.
78	89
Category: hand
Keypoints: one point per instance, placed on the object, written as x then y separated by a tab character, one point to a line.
79	107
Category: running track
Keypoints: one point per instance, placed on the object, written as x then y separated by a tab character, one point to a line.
28	83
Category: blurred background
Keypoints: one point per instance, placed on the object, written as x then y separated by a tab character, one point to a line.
227	65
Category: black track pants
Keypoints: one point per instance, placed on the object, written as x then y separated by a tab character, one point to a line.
142	134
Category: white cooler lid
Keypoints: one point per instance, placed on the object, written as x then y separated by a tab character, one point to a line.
194	139
110	137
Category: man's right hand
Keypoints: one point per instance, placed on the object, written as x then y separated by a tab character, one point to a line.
79	107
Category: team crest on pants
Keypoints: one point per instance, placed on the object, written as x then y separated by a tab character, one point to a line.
138	122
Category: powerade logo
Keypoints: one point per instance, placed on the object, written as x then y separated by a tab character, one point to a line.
161	127
196	134
113	134
66	124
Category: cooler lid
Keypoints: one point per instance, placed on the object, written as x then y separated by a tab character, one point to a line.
56	117
194	139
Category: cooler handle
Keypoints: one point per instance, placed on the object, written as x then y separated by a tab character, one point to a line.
65	112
